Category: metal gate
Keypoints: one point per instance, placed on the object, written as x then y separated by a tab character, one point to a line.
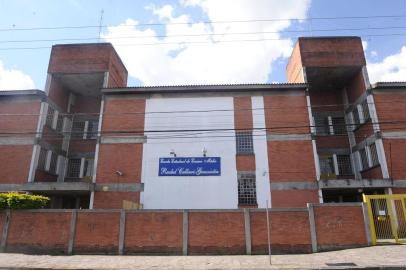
387	217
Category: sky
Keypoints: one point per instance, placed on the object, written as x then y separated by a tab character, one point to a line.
176	42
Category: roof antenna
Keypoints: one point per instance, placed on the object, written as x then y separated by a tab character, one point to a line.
101	23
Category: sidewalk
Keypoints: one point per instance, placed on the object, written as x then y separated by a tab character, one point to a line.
380	257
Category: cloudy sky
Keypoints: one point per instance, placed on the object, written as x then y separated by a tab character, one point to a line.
197	41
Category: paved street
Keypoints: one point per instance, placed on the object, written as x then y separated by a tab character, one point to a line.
381	256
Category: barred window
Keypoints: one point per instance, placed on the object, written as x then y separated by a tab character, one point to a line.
364	159
92	129
42	159
50	116
327	166
374	154
247	192
339	125
365	110
344	165
53	163
244	142
322	126
74	167
78	129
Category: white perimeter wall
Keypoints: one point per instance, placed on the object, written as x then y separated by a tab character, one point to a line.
198	192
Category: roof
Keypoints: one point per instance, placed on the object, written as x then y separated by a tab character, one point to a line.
205	88
393	85
27	92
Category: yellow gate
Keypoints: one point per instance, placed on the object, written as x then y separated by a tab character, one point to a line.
387	217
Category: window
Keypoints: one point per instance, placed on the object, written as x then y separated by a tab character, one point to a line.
327	166
322	126
53	163
50	116
74	167
244	142
339	125
59	123
374	154
92	129
78	129
365	110
42	159
247	192
364	159
88	168
355	114
344	165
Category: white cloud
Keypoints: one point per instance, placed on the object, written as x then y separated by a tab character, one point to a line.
207	55
374	53
13	79
392	68
365	45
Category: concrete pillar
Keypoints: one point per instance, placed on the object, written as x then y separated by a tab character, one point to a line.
72	231
185	232
4	236
312	222
121	237
367	224
247	226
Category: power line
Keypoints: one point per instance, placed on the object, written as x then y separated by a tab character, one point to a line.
207	22
206	34
196	42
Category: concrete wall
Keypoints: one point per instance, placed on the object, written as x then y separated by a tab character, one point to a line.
240	231
172	192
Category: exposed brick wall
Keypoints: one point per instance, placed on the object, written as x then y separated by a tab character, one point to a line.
38	232
339	226
286	114
332	141
391	110
154	232
77	145
15	163
58	94
23	115
372	173
331	52
293	198
117	71
291	161
242	112
395	152
364	131
124	114
126	158
356	87
290	232
294	67
114	200
221	232
326	101
216	233
245	162
97	232
87	104
43	176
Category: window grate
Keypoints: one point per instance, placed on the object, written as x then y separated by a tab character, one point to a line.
78	128
365	110
344	165
327	166
42	159
74	167
374	154
339	125
244	142
364	159
50	116
52	165
92	129
88	168
322	127
247	192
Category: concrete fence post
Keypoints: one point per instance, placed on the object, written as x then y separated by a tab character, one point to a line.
185	232
312	223
72	231
121	236
4	235
247	227
367	224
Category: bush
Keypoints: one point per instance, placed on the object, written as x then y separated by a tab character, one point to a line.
15	200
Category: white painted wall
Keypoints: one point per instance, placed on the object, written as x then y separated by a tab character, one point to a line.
202	192
261	152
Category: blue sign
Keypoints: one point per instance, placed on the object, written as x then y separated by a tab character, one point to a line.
189	166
